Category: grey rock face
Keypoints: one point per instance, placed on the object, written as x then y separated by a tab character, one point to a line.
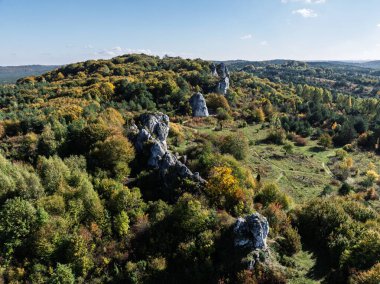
223	86
152	135
222	71
213	70
224	79
198	105
156	124
251	232
157	151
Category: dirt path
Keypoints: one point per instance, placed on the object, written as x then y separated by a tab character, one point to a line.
327	170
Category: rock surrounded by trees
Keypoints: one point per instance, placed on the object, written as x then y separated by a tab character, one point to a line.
251	232
152	133
224	79
198	105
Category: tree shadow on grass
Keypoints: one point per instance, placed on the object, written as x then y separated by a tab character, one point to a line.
316	149
322	268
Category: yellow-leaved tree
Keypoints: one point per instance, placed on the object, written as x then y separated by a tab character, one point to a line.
224	189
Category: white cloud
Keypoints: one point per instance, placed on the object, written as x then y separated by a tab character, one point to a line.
264	43
305	1
89	46
117	51
245	37
306	13
378	25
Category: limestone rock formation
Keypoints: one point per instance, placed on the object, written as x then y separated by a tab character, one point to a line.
251	232
213	70
224	79
198	105
151	137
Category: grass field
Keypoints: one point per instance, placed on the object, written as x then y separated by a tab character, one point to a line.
303	173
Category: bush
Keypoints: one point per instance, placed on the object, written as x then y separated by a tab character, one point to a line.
290	242
299	141
345	189
276	136
371	276
272	194
235	144
325	141
215	101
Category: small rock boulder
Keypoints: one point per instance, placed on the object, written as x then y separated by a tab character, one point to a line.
198	105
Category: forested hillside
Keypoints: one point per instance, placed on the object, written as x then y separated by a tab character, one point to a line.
112	171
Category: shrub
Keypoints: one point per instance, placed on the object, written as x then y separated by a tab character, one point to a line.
365	253
215	101
325	141
2	130
235	144
276	136
290	242
319	218
371	276
259	115
341	154
272	194
345	189
288	148
277	218
299	141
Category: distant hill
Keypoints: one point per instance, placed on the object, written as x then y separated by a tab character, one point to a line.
10	74
240	64
371	64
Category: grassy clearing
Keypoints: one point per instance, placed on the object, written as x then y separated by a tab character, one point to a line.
303	174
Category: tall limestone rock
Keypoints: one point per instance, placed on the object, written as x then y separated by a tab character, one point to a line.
198	105
224	79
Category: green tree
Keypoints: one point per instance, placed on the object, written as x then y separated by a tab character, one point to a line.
62	275
17	220
113	155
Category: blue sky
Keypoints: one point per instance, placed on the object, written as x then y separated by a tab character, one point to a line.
59	32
